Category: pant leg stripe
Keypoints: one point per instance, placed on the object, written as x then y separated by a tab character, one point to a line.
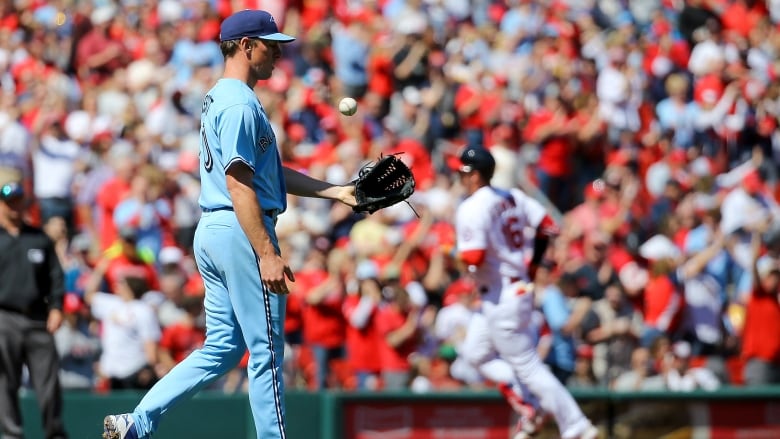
277	393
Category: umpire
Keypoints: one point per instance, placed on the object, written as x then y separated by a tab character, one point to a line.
31	292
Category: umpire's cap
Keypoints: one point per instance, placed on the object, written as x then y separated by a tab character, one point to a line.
478	159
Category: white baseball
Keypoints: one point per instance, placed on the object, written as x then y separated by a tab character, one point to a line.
348	106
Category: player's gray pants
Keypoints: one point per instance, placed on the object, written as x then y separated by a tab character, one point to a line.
24	341
240	314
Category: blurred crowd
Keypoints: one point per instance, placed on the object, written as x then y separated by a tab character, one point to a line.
648	128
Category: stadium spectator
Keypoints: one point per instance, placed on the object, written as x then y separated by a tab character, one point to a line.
125	258
111	193
78	264
583	219
662	300
324	327
619	91
144	209
761	346
704	302
179	339
130	331
459	302
98	55
182	189
583	377
56	229
675	112
397	324
550	129
14	139
190	52
682	377
613	329
556	297
54	170
350	47
97	165
361	307
634	379
169	301
78	345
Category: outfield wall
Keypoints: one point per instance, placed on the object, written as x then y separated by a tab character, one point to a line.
729	413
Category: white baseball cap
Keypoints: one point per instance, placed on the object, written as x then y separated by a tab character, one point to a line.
170	255
659	247
681	349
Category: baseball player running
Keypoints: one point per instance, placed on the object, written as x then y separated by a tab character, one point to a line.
492	240
243	187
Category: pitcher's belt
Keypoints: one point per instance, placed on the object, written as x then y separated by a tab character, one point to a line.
271	213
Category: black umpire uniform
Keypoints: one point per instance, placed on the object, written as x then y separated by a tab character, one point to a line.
31	286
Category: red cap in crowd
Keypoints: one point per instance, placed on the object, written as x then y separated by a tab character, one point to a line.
753	183
72	303
585	351
595	190
461	287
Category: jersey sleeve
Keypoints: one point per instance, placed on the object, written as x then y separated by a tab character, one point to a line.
534	211
471	234
238	135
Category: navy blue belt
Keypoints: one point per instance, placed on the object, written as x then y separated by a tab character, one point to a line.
217	209
271	213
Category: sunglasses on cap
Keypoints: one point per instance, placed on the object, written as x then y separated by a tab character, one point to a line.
11	190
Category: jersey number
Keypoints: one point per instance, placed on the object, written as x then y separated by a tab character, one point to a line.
208	161
513	232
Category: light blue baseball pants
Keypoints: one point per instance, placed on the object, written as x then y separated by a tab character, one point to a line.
240	314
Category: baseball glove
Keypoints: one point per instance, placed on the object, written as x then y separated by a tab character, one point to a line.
383	183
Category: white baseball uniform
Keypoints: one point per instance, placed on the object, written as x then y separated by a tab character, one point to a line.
502	224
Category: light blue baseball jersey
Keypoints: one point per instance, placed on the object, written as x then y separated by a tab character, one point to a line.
234	127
